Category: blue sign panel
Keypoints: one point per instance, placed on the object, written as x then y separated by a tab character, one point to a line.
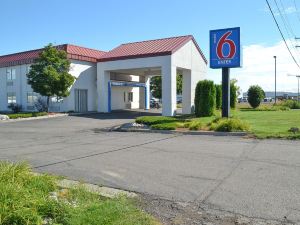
225	48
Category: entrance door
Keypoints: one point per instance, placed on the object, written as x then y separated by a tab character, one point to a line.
81	97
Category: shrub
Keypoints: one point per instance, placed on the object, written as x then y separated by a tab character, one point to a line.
41	105
267	108
182	125
255	95
229	125
205	98
218	96
292	104
26	115
233	95
195	125
15	107
151	120
164	126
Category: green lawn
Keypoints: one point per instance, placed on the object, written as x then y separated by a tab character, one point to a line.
266	124
27	199
263	124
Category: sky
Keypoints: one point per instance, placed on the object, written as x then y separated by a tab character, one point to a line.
103	25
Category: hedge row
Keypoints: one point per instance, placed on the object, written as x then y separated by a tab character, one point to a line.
205	98
208	97
26	115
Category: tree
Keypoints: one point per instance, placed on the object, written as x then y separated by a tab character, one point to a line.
234	92
49	74
179	82
255	95
205	98
218	96
156	86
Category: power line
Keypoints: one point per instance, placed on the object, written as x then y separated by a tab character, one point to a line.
288	27
287	23
297	12
283	38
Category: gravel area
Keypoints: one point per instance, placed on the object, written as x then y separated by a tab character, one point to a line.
188	213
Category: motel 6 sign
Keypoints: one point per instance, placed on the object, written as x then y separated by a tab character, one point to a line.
225	48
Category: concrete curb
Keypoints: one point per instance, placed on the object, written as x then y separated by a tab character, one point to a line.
209	133
34	118
103	191
93	188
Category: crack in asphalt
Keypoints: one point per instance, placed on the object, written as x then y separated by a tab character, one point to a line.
239	162
106	152
59	148
199	178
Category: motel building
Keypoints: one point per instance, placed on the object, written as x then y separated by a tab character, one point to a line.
114	80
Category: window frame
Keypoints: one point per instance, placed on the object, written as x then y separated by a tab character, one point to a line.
33	96
11	98
130	97
11	74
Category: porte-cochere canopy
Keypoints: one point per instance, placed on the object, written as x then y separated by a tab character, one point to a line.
162	57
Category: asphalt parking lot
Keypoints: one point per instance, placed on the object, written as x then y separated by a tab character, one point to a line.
256	178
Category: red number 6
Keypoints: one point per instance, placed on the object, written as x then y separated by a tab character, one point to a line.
232	48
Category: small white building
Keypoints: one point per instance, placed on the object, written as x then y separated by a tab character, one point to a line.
118	79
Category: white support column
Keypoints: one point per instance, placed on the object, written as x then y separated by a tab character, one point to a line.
103	77
187	101
168	90
142	93
147	92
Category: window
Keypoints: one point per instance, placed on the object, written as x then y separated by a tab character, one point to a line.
11	97
130	96
9	83
10	74
31	97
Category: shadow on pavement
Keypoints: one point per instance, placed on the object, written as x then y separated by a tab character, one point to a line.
119	114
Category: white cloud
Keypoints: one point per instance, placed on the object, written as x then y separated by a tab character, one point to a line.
258	68
290	10
286	11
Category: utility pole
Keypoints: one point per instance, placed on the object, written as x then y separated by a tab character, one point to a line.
275	79
298	87
298	77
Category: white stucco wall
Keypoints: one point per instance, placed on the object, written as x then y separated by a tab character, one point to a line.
86	78
117	98
117	92
104	68
20	87
94	78
86	75
187	58
194	68
3	91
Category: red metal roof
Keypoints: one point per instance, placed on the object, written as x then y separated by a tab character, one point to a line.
158	47
84	54
74	52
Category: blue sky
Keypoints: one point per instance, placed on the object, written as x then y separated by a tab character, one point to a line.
100	24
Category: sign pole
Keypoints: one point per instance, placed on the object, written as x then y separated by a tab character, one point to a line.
225	92
225	53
